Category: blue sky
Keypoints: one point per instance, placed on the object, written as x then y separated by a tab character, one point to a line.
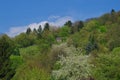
18	14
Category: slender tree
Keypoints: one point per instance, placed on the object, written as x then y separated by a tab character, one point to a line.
68	23
39	32
46	27
80	25
28	31
39	29
34	30
112	12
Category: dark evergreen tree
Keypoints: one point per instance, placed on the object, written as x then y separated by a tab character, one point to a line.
92	45
112	12
68	23
77	26
39	29
34	30
46	27
80	25
39	32
28	31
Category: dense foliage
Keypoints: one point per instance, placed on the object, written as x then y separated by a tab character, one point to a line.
80	50
6	50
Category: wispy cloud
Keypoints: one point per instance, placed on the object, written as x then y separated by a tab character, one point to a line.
53	17
61	21
13	31
16	30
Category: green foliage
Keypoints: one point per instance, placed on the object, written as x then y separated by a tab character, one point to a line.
16	61
64	32
29	51
113	36
103	29
24	40
36	55
32	65
92	45
106	67
15	50
116	50
28	73
6	49
68	23
74	40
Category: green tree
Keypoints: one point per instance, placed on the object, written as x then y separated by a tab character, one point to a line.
113	37
6	49
24	40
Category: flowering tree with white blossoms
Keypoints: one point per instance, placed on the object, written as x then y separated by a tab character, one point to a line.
74	66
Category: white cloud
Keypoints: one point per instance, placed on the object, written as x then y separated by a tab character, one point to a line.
13	31
61	21
53	17
16	30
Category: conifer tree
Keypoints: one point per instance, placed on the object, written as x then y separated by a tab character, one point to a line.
46	27
28	31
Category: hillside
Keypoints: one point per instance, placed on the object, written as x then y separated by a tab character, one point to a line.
81	50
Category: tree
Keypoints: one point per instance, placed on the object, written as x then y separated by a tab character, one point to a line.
80	25
77	26
73	66
113	37
35	31
24	40
64	32
46	27
112	12
28	31
68	23
6	49
92	45
39	29
39	32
